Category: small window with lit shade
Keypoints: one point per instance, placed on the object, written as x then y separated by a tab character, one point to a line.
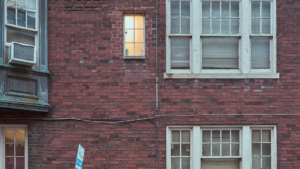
134	36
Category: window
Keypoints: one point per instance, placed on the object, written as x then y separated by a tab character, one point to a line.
25	33
221	147
14	146
134	36
221	39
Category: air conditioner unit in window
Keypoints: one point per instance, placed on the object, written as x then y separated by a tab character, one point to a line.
22	54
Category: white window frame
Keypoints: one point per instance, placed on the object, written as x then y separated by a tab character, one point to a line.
245	143
124	43
4	127
35	31
244	70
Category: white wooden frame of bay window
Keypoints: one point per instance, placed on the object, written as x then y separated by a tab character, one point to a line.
4	127
244	70
245	143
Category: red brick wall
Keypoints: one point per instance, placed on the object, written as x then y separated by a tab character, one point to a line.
90	80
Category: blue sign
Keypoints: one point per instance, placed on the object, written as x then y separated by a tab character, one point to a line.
79	159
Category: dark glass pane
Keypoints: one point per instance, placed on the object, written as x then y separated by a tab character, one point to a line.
20	163
11	16
31	20
21	18
20	149
9	163
9	149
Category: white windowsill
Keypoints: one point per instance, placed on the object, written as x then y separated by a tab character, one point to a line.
222	76
133	57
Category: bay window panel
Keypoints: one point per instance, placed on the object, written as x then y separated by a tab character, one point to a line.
180	52
260	52
220	53
220	164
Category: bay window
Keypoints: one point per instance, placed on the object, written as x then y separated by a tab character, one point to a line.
221	39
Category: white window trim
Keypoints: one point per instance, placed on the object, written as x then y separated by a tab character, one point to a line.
244	71
245	143
4	127
144	44
36	31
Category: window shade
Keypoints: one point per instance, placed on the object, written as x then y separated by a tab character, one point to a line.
260	52
180	52
220	53
220	164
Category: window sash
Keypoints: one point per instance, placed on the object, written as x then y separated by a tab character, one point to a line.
244	69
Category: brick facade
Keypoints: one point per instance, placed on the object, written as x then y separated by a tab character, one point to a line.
90	80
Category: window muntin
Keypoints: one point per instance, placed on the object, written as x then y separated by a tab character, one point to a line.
226	20
245	154
134	35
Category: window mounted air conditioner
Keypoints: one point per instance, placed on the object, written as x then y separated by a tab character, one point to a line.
22	54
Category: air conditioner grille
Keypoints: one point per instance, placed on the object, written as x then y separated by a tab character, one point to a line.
23	52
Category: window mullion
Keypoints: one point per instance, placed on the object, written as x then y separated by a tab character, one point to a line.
245	50
196	144
196	63
246	148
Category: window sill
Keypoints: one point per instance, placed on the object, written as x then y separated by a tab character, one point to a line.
222	76
133	57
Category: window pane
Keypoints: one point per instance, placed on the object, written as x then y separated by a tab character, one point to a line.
225	26
185	150
129	22
185	8
21	18
256	163
31	20
215	9
31	4
20	136
180	53
175	136
220	53
175	150
206	136
174	9
21	4
235	9
9	163
225	149
205	26
215	26
215	136
129	49
9	136
139	36
266	9
235	26
139	21
266	136
216	150
20	163
266	163
266	26
20	36
256	149
235	149
266	149
185	163
255	26
175	163
255	9
206	149
235	136
139	49
9	149
225	9
255	135
175	27
11	16
205	9
260	59
185	26
20	149
225	136
185	136
129	35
